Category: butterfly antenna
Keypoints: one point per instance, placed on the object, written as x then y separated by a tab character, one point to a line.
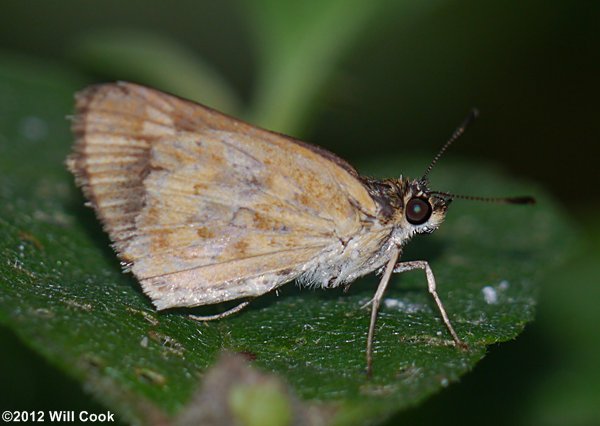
460	130
502	200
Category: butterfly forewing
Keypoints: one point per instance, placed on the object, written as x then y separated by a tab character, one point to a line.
205	208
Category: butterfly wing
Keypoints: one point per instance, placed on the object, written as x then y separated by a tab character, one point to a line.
202	207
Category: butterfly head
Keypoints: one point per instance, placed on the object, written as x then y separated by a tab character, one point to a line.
424	210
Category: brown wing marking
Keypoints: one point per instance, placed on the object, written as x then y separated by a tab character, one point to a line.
200	202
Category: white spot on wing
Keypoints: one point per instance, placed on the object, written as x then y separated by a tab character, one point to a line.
158	116
153	129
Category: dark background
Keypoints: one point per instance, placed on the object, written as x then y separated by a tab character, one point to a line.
531	68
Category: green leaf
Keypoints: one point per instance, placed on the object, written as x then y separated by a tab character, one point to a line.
63	294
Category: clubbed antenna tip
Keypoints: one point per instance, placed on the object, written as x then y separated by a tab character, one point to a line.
520	200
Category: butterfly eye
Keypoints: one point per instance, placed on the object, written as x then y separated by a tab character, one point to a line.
417	211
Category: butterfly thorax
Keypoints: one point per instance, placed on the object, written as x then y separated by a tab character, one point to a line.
405	207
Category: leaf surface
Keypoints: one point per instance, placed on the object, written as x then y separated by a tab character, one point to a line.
63	293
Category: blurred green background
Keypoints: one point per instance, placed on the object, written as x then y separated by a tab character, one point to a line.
362	79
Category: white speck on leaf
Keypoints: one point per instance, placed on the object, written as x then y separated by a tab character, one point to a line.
409	308
393	303
490	295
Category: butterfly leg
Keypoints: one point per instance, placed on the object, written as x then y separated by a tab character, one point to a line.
375	302
222	314
421	264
